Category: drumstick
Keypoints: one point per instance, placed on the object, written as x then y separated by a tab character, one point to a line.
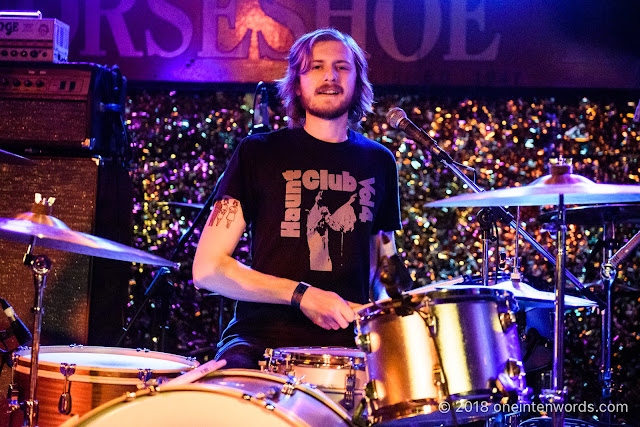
197	373
421	290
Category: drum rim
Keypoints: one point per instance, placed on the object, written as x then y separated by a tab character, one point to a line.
92	374
211	388
319	360
304	387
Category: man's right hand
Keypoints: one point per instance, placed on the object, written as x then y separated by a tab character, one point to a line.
326	309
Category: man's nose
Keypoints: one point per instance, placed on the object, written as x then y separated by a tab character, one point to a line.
330	75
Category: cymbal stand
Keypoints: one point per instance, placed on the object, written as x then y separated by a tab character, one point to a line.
501	213
556	395
487	221
608	275
40	265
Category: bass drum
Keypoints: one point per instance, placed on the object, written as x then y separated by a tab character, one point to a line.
226	398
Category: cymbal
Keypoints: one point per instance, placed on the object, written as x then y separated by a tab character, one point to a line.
577	190
528	296
13	159
50	232
597	215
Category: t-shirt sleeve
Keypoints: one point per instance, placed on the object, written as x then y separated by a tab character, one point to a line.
237	180
388	217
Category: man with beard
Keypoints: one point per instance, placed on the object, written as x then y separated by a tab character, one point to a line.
285	185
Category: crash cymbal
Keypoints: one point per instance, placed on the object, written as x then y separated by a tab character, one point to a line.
528	296
597	215
50	232
13	159
577	190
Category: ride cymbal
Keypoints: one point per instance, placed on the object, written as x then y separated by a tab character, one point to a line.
546	190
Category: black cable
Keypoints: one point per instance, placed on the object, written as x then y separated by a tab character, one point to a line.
445	383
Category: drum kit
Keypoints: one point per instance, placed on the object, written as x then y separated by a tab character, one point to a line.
445	354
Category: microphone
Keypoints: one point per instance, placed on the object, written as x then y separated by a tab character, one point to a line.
625	251
20	331
397	118
261	114
393	274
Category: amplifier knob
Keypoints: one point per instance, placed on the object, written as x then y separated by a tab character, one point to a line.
34	53
14	53
28	83
24	54
16	83
39	83
5	81
4	52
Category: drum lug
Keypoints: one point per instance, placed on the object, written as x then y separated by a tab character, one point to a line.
363	341
64	403
359	419
350	387
429	320
507	320
290	386
511	383
438	381
144	375
268	354
371	390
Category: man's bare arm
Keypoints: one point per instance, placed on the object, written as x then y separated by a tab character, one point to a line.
216	270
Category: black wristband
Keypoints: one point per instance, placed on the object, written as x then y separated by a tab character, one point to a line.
298	293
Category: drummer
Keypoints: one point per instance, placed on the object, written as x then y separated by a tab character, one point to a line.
314	197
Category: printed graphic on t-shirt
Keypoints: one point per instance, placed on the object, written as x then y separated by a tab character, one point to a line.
319	217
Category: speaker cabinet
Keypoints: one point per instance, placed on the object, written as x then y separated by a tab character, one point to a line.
84	297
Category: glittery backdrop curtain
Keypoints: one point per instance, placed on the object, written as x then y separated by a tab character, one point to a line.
182	141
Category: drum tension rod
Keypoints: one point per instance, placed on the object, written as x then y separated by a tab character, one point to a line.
64	403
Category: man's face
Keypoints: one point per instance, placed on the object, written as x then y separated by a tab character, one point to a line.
326	89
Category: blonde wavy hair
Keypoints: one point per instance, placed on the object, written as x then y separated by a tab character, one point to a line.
299	63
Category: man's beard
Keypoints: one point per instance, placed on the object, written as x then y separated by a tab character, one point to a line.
329	112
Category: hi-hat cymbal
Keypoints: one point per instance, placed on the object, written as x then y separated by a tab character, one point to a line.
597	215
50	232
577	190
13	159
528	296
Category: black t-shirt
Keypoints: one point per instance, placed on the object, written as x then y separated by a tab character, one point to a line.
311	207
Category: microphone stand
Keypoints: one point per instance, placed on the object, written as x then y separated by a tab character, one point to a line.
166	291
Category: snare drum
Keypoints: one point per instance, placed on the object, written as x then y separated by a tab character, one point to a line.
475	334
225	398
337	371
95	375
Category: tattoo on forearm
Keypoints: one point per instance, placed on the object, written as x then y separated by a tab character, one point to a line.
225	208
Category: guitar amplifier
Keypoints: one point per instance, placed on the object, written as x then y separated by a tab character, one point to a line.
27	37
73	108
